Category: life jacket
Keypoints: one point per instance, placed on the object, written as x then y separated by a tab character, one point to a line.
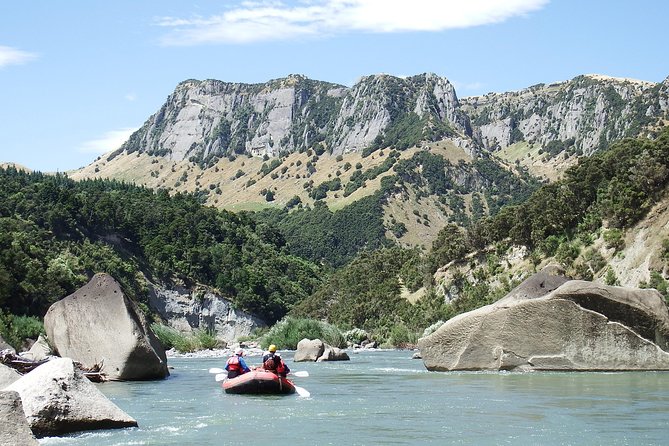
274	364
233	364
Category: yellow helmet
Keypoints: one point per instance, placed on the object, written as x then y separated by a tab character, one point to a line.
272	348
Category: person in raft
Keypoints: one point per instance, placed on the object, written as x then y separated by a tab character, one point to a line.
271	361
236	365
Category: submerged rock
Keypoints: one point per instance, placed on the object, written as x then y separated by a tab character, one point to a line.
99	324
14	428
58	399
578	326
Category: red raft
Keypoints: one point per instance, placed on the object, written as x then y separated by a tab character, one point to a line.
259	382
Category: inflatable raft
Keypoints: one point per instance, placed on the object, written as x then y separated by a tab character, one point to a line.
259	382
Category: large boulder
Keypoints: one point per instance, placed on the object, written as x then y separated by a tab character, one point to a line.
99	324
578	326
58	398
7	376
318	351
14	428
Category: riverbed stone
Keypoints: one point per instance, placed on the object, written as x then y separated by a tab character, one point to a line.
578	326
39	351
14	427
7	376
98	324
57	399
333	354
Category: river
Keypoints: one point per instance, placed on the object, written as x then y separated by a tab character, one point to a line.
386	398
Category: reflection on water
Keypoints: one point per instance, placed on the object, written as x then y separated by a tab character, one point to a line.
387	398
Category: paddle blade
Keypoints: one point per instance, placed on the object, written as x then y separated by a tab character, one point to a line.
221	377
301	374
216	370
302	392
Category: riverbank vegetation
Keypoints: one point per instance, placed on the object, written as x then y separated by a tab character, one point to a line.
318	267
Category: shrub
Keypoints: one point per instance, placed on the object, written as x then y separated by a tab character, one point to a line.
401	337
16	329
355	336
206	339
432	328
289	331
183	342
614	239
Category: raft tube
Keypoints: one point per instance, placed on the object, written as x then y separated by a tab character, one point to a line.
259	382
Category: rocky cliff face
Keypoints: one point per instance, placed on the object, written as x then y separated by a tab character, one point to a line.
581	115
186	310
204	120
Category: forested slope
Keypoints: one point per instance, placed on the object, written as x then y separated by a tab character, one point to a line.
55	233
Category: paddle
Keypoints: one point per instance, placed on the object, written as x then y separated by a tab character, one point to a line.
302	392
301	374
221	377
216	370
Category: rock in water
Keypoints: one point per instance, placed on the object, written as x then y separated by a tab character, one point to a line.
319	351
578	326
14	428
309	350
58	399
99	324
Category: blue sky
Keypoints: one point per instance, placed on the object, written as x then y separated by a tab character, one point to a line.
77	76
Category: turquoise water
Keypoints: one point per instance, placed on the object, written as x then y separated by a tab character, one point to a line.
386	398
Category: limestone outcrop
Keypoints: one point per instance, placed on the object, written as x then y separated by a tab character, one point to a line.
14	428
577	326
315	350
58	399
186	309
98	324
210	118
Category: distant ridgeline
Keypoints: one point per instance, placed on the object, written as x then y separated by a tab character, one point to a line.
55	233
206	120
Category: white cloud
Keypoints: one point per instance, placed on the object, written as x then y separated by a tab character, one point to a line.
12	56
253	21
130	97
106	143
467	86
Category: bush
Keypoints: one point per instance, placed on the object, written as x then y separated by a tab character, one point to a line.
356	336
432	328
401	337
288	332
184	342
16	329
614	239
206	339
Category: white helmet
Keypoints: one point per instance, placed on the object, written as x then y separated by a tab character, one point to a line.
239	352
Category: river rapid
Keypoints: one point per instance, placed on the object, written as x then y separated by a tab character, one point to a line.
386	398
